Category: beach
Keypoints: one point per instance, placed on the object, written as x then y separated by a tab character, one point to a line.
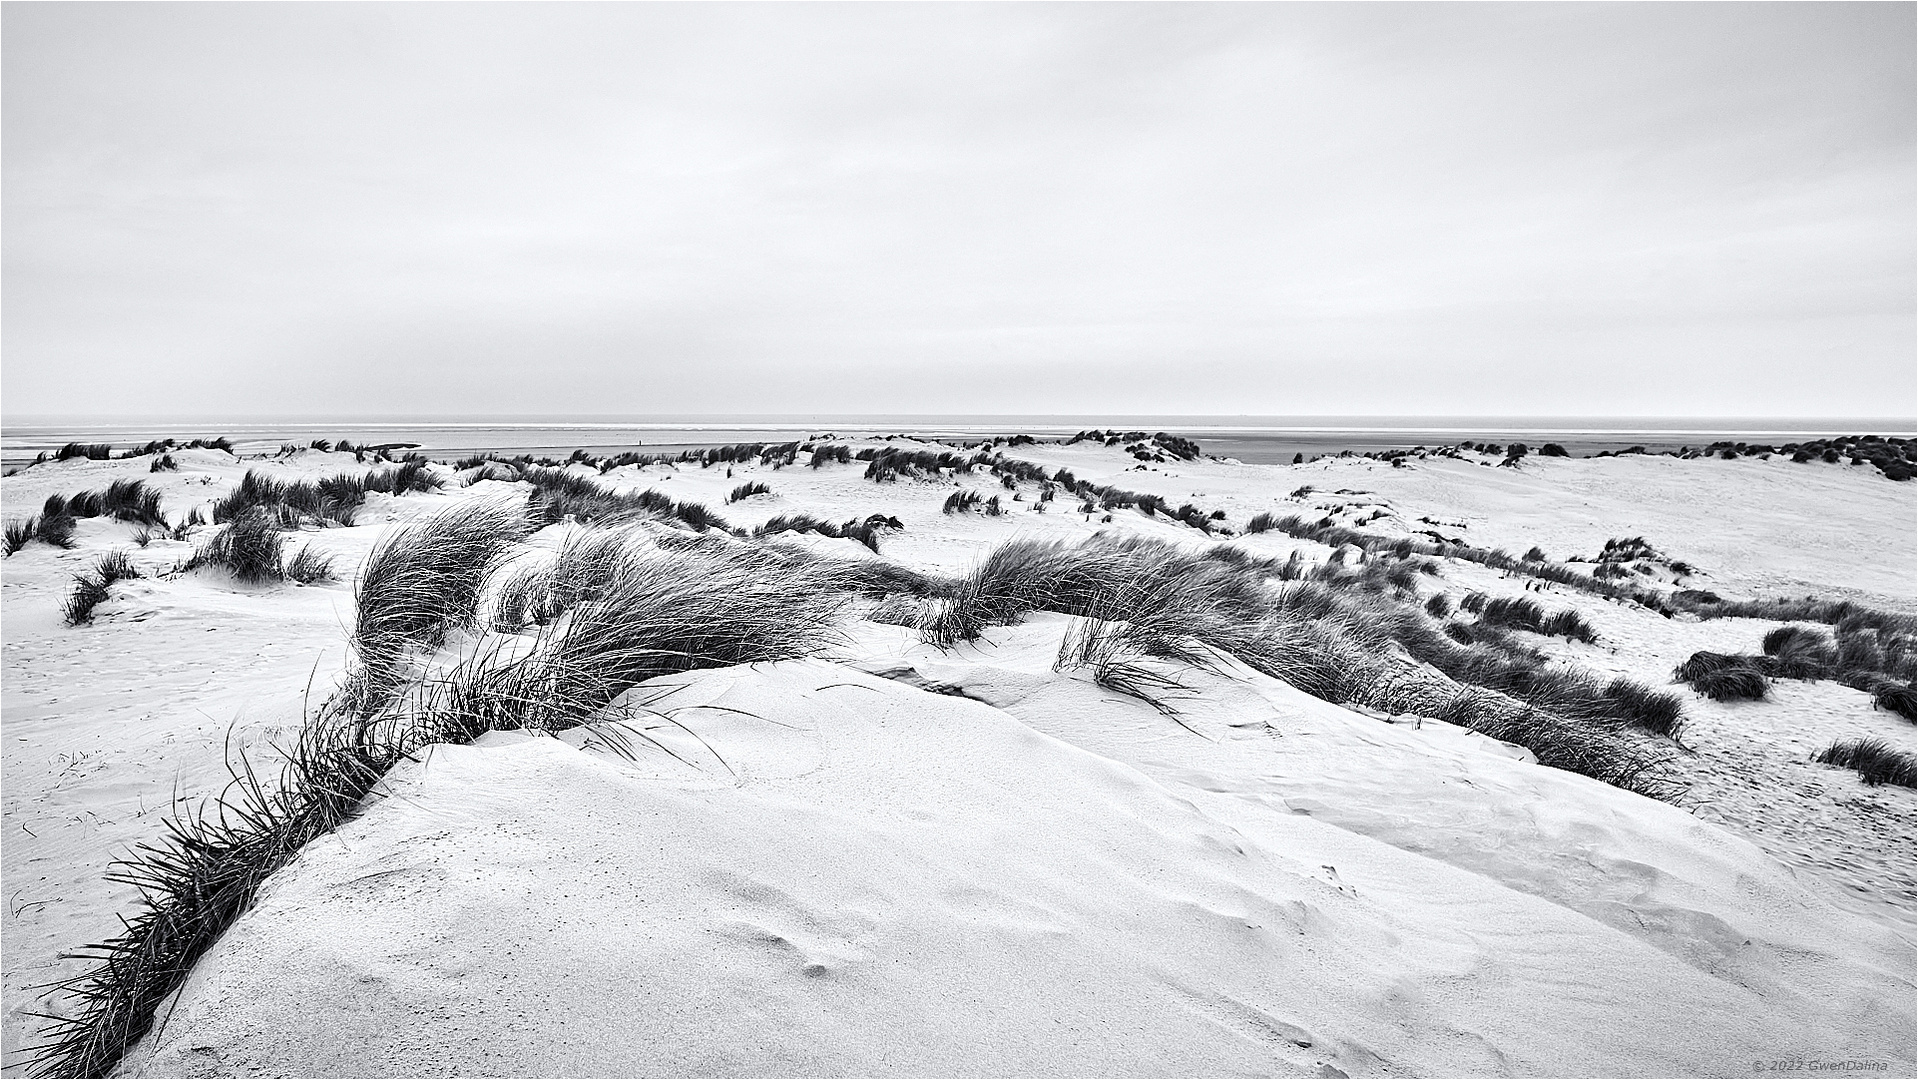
856	804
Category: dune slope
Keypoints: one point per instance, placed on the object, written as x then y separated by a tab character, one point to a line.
862	877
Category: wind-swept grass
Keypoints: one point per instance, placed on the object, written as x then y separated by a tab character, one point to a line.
19	532
92	587
329	501
657	612
1809	609
55	529
1862	653
124	500
422	580
748	490
558	495
888	464
1332	644
1875	760
866	531
1897	697
309	566
1656	711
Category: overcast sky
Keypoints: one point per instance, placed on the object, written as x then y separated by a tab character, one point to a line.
1613	209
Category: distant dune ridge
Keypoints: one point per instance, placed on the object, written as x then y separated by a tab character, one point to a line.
1084	755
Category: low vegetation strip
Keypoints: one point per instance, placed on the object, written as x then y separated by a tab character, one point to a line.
1861	653
1330	643
330	500
1875	760
558	495
866	531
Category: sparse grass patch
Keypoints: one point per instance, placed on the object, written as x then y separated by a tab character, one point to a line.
92	587
1875	760
748	490
309	565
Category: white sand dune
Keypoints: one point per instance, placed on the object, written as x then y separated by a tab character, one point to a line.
864	877
929	886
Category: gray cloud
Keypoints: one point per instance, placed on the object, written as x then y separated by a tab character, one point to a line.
1512	208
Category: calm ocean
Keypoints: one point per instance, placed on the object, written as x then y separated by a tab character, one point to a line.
1248	438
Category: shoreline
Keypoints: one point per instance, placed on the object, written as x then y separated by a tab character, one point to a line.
1248	443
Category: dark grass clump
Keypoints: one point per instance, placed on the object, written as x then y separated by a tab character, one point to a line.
164	463
1897	697
155	446
1738	681
249	548
19	533
124	500
959	502
55	529
1568	624
866	531
91	588
422	580
88	593
1876	761
1261	522
309	566
409	476
289	503
89	451
747	491
889	464
830	454
1799	652
1809	609
1705	662
327	502
558	494
1656	711
1515	612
